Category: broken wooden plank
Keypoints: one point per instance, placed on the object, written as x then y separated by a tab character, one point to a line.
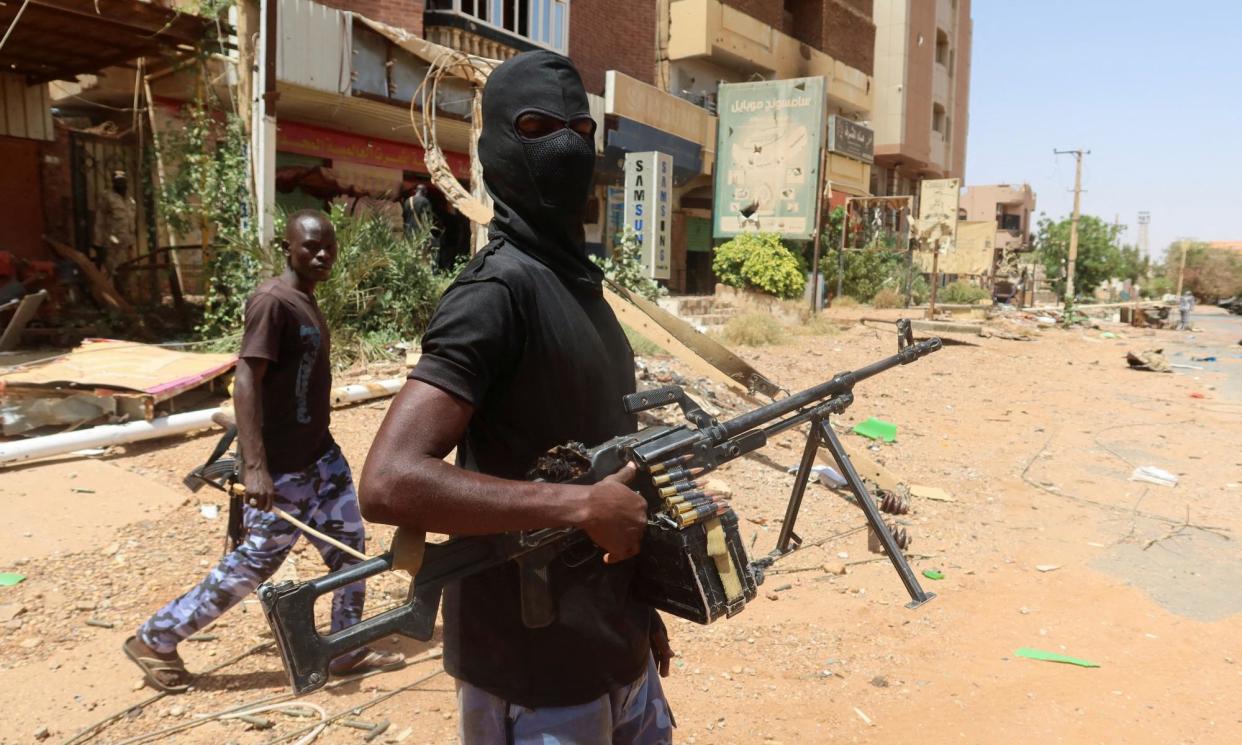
100	286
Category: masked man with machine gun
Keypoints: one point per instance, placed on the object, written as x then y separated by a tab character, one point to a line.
523	353
549	606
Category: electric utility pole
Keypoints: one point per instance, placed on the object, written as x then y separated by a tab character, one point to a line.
1073	246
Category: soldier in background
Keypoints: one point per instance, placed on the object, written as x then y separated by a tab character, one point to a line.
115	227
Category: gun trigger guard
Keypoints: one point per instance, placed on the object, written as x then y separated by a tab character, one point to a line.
408	548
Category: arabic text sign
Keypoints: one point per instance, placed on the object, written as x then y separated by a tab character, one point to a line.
851	139
768	157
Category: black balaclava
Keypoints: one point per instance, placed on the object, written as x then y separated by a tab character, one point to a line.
540	185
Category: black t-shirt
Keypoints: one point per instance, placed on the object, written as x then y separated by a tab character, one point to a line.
284	326
542	365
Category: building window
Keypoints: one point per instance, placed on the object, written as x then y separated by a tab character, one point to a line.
938	118
942	47
544	22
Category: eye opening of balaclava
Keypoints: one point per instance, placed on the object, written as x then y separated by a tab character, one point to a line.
552	124
540	185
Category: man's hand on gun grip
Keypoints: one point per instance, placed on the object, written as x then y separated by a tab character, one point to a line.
615	516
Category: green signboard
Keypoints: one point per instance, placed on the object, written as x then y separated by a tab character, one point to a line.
768	157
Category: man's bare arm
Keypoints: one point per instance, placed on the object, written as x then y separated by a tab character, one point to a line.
407	482
248	405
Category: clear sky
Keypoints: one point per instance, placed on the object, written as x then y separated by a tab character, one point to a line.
1153	89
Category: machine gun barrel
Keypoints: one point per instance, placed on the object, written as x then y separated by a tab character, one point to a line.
840	383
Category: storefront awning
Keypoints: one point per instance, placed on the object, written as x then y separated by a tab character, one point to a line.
59	39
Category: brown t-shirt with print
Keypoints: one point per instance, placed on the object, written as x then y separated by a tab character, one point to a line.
284	326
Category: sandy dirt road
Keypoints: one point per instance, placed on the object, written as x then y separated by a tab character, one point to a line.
1035	441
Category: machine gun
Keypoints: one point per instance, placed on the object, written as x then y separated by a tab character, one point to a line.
692	563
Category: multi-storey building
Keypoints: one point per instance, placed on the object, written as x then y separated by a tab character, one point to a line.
922	91
1009	207
344	85
656	65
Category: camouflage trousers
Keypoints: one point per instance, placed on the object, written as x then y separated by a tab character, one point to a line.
321	495
634	714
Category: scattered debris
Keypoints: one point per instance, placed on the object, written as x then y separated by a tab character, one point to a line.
8	579
863	716
1047	567
933	574
930	492
1153	475
1151	360
209	511
877	429
100	624
1196	394
1202	359
1045	656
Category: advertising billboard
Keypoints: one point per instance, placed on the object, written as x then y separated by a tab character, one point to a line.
769	140
648	208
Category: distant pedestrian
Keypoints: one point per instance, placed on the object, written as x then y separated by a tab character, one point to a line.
115	229
1185	304
283	402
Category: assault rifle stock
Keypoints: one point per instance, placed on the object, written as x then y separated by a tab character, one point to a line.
658	451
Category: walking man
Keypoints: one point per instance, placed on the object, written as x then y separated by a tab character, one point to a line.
1185	304
523	353
282	398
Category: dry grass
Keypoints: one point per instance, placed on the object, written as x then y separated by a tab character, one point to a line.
753	330
817	325
888	298
845	301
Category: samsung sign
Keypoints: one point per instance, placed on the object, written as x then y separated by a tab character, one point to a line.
648	208
851	139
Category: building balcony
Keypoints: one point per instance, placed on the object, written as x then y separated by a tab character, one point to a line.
941	84
711	31
498	29
945	12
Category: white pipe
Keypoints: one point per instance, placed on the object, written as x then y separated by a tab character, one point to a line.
165	426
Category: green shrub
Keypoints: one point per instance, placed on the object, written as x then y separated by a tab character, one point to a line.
625	267
754	330
866	272
888	298
759	261
961	292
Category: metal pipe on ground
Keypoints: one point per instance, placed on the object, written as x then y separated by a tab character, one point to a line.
165	426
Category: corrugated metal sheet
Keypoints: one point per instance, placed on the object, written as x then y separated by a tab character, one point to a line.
315	48
26	109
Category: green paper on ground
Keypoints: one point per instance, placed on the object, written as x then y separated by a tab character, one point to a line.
1046	656
877	429
8	579
933	574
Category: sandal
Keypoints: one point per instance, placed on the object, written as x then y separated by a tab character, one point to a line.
151	666
372	660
